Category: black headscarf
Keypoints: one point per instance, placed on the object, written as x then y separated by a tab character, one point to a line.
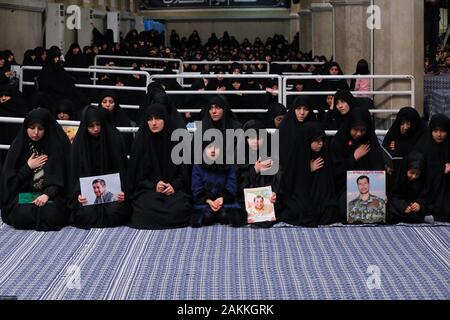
157	95
406	189
75	60
343	147
228	120
437	155
309	198
404	143
334	118
55	144
14	107
118	117
92	156
151	152
27	58
290	126
274	110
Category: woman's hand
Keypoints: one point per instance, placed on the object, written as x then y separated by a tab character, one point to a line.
169	190
37	162
160	187
212	205
82	200
392	146
120	197
273	198
415	207
361	151
317	164
41	200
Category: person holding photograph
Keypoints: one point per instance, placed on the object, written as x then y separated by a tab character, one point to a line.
354	148
249	174
158	187
435	146
408	199
98	149
33	179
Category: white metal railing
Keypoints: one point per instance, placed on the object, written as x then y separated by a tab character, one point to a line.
134	58
204	62
411	93
135	129
91	86
226	76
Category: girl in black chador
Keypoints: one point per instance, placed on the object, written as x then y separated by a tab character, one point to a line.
33	180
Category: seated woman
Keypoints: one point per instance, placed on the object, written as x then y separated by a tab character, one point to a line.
309	197
158	187
257	160
344	102
298	115
435	146
214	188
404	133
98	149
334	69
354	148
408	199
218	115
275	114
33	179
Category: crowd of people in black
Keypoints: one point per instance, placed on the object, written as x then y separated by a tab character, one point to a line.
308	190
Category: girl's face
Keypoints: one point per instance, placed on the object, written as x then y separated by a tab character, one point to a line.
277	121
216	112
413	174
35	132
155	124
342	107
63	116
254	143
212	152
357	133
439	135
94	129
334	71
4	98
301	113
330	100
108	103
404	127
317	145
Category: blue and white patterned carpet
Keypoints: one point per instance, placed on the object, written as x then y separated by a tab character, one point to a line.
225	263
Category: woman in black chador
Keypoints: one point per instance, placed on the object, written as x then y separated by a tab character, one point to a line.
98	149
258	159
33	179
354	148
308	187
158	187
343	103
404	133
408	199
435	146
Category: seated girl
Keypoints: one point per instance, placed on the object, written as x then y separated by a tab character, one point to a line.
158	187
257	161
33	179
98	149
308	184
214	188
408	199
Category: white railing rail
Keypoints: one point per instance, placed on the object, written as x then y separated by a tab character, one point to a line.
134	129
216	62
225	76
411	92
91	86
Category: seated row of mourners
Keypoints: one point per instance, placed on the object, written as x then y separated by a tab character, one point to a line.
309	189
